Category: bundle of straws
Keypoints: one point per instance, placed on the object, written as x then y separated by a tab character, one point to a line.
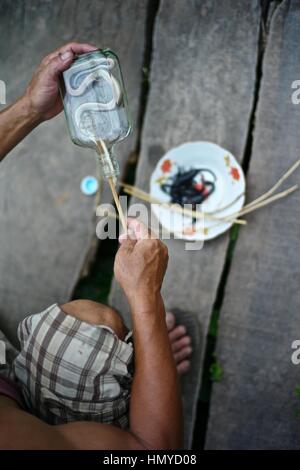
235	218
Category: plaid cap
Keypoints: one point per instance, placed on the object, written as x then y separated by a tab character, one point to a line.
69	370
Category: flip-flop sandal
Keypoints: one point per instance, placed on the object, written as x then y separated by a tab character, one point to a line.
190	380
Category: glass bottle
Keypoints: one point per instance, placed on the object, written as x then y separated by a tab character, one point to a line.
95	105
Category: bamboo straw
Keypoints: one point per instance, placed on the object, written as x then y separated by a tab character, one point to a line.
276	185
259	202
263	203
117	202
232	218
221	209
164	231
249	209
102	149
140	194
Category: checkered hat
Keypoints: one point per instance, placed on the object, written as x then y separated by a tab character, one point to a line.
69	370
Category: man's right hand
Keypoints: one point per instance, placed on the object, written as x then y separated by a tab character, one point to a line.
140	265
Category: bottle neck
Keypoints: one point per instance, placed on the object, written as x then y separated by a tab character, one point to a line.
109	166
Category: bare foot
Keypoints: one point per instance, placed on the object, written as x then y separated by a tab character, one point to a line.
180	343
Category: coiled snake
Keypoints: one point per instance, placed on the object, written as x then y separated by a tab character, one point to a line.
100	69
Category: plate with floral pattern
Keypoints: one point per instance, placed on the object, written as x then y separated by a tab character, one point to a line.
199	176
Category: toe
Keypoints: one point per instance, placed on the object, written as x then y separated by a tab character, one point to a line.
181	343
183	367
170	320
184	353
177	333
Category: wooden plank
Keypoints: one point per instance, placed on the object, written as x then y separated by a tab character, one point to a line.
202	83
46	223
255	405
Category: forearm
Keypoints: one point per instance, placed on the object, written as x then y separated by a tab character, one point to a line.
16	121
81	435
155	407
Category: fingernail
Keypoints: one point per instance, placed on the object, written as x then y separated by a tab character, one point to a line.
131	233
66	56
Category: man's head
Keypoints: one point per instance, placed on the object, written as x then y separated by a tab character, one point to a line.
73	366
96	314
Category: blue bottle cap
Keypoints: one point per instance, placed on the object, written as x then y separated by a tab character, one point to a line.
89	185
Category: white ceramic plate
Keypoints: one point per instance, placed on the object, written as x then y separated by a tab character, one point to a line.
227	198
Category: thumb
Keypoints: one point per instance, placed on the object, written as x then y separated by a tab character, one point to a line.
127	245
60	63
139	229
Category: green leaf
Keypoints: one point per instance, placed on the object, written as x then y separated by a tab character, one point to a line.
298	390
213	326
216	372
234	232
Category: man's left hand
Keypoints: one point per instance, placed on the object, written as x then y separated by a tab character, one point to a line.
42	94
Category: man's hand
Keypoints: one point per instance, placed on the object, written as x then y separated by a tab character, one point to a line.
42	94
140	265
41	100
